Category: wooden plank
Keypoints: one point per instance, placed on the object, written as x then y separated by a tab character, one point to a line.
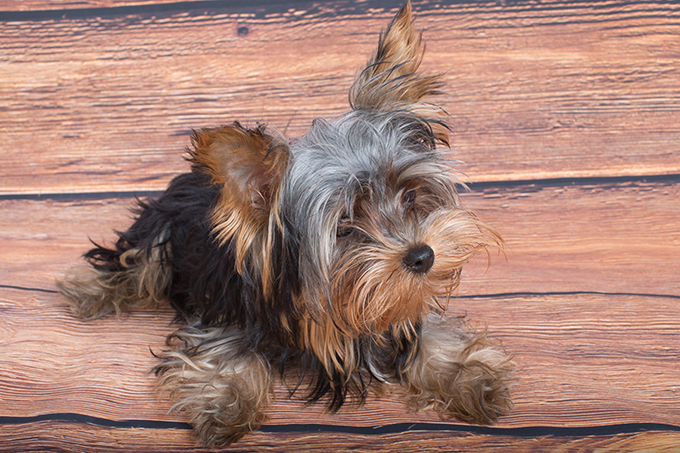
584	358
579	362
100	101
535	90
55	5
59	437
610	238
614	238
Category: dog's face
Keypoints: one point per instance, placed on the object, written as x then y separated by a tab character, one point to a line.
359	219
375	212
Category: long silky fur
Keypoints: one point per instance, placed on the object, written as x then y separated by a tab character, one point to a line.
288	258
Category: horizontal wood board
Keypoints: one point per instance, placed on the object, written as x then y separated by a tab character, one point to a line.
535	91
611	366
565	115
58	437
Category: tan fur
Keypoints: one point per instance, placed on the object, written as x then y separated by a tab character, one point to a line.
328	343
93	293
224	391
459	373
391	80
249	163
373	288
338	354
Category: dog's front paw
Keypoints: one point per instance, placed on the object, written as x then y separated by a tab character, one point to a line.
223	392
476	390
222	414
460	375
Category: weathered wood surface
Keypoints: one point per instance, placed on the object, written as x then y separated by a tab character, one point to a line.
581	362
69	5
565	113
606	237
105	101
170	441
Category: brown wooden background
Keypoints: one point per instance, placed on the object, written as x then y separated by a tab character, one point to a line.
566	116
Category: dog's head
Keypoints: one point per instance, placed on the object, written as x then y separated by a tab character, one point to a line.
359	221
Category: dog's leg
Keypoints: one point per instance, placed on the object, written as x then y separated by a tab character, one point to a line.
459	373
120	280
223	388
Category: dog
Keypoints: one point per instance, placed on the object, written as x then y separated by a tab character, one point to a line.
329	260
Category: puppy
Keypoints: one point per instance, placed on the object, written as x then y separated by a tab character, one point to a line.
329	259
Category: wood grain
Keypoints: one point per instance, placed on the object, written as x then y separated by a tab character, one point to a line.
565	114
562	307
580	363
613	238
59	437
608	238
535	90
56	5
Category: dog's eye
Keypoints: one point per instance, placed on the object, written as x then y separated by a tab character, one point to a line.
344	227
408	198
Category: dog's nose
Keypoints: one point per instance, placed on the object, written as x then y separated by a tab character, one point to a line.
419	259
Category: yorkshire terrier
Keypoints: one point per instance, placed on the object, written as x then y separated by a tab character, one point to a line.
329	260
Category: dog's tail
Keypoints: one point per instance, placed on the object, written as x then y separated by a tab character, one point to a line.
120	278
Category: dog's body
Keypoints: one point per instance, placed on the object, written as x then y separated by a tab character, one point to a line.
322	259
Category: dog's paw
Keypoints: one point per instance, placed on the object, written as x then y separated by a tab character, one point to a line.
460	374
224	413
476	390
223	392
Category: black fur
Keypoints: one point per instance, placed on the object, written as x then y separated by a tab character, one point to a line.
206	288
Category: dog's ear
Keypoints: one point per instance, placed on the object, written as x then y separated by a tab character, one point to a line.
249	164
391	81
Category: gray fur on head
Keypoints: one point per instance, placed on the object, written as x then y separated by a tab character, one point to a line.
361	154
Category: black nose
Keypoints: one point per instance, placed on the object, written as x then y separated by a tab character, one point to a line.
419	259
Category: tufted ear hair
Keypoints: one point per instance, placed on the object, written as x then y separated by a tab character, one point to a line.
391	80
249	164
